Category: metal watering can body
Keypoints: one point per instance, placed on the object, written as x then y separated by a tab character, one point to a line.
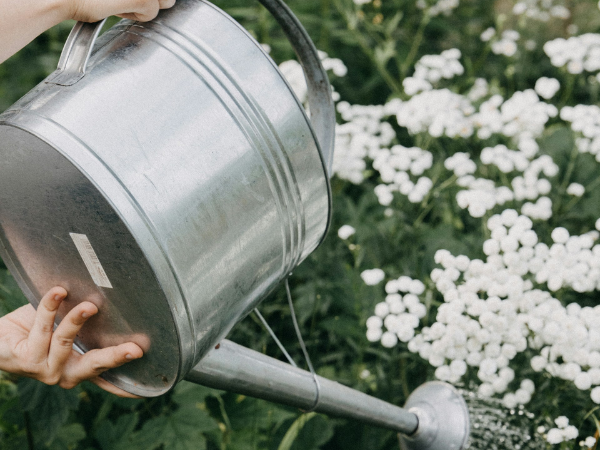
172	178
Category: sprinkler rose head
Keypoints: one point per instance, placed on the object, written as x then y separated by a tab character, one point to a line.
443	418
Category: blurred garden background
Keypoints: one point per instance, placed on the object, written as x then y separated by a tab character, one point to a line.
464	243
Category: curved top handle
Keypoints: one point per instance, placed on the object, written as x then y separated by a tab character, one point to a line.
78	48
76	53
322	111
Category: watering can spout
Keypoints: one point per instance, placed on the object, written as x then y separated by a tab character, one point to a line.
435	416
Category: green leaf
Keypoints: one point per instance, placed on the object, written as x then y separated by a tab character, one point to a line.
67	437
181	430
393	23
314	434
48	407
294	430
119	435
343	326
186	393
11	296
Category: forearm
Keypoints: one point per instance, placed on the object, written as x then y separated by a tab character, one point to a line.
21	21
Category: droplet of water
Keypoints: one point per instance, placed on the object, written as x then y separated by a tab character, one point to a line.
493	427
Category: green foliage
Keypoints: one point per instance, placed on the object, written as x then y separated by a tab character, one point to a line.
380	42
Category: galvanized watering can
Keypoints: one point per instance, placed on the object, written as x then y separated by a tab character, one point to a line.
172	178
167	173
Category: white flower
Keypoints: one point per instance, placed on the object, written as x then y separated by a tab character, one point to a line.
554	436
372	277
595	394
389	339
590	441
560	235
488	34
346	231
561	422
547	87
575	189
374	334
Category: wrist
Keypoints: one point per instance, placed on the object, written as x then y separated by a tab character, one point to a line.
59	10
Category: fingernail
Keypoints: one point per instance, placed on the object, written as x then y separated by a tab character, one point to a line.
85	315
128	356
57	297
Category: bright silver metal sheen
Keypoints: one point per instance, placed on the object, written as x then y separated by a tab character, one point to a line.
183	156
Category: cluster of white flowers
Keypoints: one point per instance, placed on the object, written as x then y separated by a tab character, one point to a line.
547	87
439	7
530	186
400	314
540	210
585	121
481	195
542	10
432	68
522	117
493	311
507	44
563	432
395	167
362	2
578	53
363	135
589	442
479	90
438	112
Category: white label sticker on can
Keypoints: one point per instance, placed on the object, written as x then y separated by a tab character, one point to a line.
91	260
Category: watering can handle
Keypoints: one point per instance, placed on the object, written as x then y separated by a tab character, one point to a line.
78	48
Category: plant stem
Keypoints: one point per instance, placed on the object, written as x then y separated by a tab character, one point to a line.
30	443
416	43
567	178
366	49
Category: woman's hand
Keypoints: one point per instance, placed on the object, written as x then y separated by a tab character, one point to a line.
22	20
94	10
29	346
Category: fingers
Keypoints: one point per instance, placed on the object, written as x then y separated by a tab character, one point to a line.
112	388
95	362
166	4
61	344
41	332
94	10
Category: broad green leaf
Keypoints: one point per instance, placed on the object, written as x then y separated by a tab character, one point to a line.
343	326
67	437
180	430
119	435
48	407
186	393
314	434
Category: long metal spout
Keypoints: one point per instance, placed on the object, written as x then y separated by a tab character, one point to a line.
235	368
437	418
